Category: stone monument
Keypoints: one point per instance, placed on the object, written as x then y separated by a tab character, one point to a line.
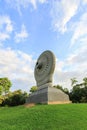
43	72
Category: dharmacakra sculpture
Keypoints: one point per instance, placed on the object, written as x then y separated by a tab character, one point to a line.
43	73
44	68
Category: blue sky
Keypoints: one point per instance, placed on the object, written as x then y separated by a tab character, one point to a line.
29	27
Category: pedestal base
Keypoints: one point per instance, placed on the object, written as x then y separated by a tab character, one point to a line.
48	95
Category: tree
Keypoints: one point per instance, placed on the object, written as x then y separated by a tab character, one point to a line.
65	90
73	81
79	91
33	89
5	85
58	87
76	94
13	98
1	90
85	82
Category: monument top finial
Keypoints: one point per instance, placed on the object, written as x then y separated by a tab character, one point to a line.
44	68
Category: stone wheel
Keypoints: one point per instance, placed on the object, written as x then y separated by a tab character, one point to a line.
44	68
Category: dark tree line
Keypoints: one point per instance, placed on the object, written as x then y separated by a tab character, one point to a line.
8	98
78	93
5	85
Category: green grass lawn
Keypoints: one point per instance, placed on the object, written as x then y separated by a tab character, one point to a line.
44	117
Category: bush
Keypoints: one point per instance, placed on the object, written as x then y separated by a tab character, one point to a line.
17	99
14	99
1	100
6	102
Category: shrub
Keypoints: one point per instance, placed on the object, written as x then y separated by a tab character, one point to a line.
1	100
14	99
17	99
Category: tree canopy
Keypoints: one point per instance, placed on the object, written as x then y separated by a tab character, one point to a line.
33	89
5	85
78	93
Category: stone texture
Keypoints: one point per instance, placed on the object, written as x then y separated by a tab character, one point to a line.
44	68
48	95
43	73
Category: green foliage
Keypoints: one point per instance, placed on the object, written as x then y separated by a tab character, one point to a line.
58	86
78	93
33	89
85	81
1	90
5	85
75	94
65	90
73	81
14	98
1	99
44	117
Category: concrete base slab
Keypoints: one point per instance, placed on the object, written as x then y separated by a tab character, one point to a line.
48	95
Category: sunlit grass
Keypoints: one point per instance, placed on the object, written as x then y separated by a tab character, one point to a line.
44	117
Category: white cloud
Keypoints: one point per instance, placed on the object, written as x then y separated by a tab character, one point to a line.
85	1
59	65
78	59
75	65
80	29
22	35
6	27
70	16
62	12
18	67
6	22
24	4
4	36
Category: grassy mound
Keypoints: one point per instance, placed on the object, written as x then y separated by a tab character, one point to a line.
44	117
